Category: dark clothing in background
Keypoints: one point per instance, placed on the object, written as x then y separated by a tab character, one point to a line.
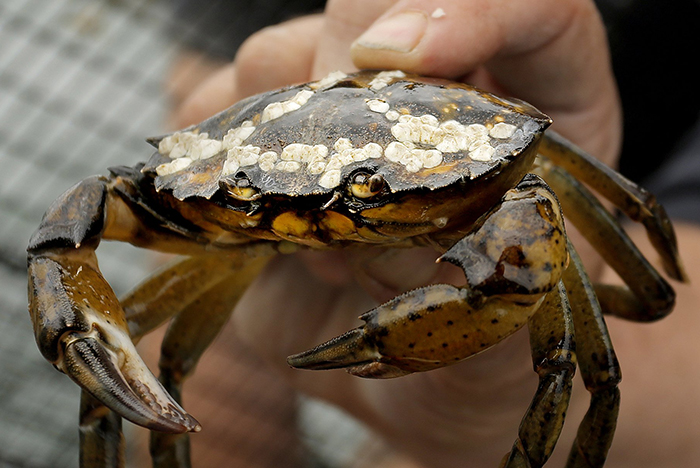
652	43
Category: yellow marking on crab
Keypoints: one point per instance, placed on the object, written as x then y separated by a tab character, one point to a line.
290	225
338	226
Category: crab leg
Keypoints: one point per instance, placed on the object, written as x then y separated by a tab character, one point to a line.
188	336
512	258
167	292
633	200
101	440
554	359
599	369
649	296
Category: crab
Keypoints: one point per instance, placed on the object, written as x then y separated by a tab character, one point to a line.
372	158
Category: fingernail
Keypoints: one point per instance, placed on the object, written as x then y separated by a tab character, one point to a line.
401	32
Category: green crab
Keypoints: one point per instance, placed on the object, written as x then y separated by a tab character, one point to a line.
374	158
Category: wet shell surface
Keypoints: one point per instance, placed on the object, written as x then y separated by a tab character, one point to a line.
307	139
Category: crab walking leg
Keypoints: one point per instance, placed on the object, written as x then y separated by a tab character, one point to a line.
166	293
649	296
188	336
513	257
599	369
183	281
554	359
633	200
102	443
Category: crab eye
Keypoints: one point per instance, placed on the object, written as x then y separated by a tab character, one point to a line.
366	185
241	188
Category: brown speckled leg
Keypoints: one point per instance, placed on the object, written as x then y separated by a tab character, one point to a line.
511	259
599	369
647	295
554	358
633	200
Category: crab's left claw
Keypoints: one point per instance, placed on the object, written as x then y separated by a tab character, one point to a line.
81	329
512	259
423	329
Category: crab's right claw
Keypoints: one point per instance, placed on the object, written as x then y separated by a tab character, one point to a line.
80	328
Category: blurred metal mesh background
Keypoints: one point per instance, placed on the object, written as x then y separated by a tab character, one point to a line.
80	86
82	83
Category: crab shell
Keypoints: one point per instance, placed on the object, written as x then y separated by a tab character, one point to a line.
416	132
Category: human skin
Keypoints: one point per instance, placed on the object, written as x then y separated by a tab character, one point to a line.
547	52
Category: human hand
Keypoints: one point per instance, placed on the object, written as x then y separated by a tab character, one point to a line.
552	54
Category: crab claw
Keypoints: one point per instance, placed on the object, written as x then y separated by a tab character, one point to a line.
130	390
80	327
420	330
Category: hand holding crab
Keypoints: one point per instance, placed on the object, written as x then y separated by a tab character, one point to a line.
396	196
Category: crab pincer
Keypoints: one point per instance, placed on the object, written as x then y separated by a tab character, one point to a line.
80	325
84	335
438	325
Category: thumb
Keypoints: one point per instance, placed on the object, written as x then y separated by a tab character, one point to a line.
550	53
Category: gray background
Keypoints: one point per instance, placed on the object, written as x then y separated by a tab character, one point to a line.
80	88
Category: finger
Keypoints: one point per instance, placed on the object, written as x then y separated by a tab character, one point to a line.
278	55
344	22
550	53
273	57
214	95
526	36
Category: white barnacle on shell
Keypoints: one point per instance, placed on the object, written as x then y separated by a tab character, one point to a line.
276	110
482	153
204	149
245	155
236	136
378	105
304	153
382	79
316	167
288	166
392	115
342	144
191	144
396	151
267	161
373	150
423	140
502	130
329	80
231	166
432	158
330	179
173	166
